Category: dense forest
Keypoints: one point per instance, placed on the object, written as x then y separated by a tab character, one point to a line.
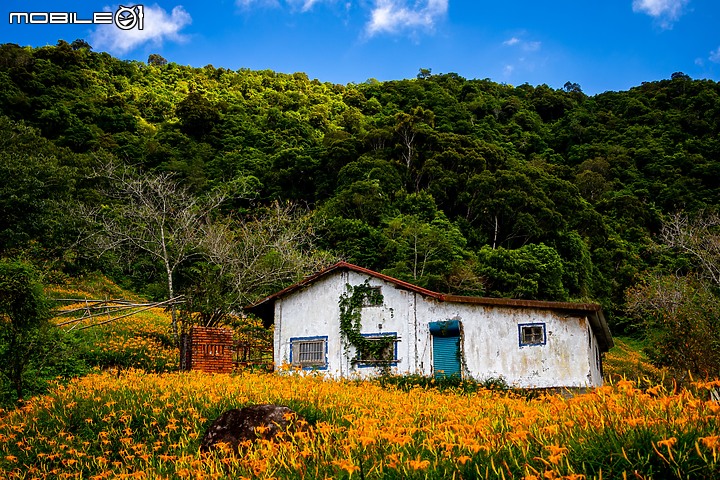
458	185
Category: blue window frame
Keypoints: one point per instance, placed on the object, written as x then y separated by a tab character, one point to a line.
309	353
388	355
532	334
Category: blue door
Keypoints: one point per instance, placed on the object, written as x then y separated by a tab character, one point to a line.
446	348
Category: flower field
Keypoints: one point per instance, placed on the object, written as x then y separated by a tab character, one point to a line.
141	419
138	341
627	360
141	425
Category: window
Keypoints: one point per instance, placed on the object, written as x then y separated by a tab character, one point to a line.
387	354
532	334
373	299
308	352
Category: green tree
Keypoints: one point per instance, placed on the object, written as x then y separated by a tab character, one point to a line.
512	208
36	191
156	60
680	316
424	73
355	241
410	129
429	246
197	115
426	248
533	271
24	318
363	200
80	44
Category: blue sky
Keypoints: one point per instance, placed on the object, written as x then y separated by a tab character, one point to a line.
601	45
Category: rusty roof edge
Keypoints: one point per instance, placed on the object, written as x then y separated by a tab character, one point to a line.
399	283
508	302
295	286
517	302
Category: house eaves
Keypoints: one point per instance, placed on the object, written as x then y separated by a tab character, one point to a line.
265	308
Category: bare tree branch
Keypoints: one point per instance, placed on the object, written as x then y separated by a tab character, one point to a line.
153	214
261	254
698	237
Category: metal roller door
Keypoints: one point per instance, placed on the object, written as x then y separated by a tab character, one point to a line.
446	348
446	356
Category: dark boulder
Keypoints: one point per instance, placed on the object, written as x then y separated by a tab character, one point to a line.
239	425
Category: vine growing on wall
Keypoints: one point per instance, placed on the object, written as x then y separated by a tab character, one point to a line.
351	304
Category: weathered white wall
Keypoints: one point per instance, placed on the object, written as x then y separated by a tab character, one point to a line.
489	339
490	345
314	311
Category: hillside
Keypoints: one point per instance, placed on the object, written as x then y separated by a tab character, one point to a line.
107	338
458	185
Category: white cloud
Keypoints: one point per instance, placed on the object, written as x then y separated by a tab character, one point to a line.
386	16
306	4
523	55
159	27
524	45
262	3
715	56
301	5
393	16
532	46
664	11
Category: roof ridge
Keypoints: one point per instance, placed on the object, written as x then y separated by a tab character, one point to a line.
510	302
264	308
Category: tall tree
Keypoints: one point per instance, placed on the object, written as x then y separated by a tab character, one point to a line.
24	320
248	259
410	128
156	60
264	252
155	215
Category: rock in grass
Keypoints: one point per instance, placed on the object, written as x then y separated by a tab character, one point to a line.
247	424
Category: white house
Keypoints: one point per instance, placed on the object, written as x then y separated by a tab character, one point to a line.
528	343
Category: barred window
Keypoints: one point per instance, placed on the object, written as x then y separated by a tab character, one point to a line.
308	352
532	334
